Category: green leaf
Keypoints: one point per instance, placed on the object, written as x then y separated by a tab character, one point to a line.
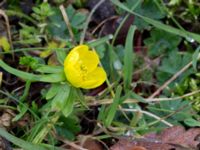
69	127
128	58
50	78
100	41
138	97
195	58
160	25
172	108
113	108
29	61
61	55
158	44
78	20
171	65
69	103
53	91
19	142
49	69
59	101
192	122
146	8
22	110
57	26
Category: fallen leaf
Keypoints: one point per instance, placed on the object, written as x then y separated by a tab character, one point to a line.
176	138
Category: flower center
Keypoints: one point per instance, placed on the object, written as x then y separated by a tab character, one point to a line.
84	72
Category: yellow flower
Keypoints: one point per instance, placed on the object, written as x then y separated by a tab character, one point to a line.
81	68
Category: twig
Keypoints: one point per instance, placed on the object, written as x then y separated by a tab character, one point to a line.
173	98
66	19
128	101
171	114
102	23
88	20
8	28
2	2
149	114
72	144
170	80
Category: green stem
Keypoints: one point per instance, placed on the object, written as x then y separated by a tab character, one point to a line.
21	15
26	91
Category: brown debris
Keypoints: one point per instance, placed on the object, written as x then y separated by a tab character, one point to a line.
6	118
89	144
92	145
174	138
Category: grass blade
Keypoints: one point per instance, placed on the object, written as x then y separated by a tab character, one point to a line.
158	24
113	108
128	58
21	143
50	78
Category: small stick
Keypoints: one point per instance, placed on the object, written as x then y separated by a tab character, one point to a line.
8	28
88	20
131	101
66	19
170	80
72	144
149	114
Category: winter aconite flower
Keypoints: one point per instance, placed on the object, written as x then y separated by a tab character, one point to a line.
81	68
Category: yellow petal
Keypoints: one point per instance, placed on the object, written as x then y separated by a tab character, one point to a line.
94	79
90	60
73	76
81	56
74	55
81	68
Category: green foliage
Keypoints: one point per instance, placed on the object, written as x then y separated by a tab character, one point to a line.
68	127
57	26
42	11
176	111
50	78
149	9
29	34
29	61
112	109
190	84
192	122
189	11
161	42
158	24
131	75
172	64
195	58
128	58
